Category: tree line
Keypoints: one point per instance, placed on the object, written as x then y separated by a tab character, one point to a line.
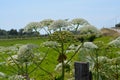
14	33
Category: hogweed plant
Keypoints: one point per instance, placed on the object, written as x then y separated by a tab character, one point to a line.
103	59
21	61
62	40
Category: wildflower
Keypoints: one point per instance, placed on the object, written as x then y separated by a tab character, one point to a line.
89	45
2	75
16	77
87	49
32	26
1	63
25	53
58	24
89	29
79	21
46	22
12	60
59	66
115	43
72	48
51	44
118	38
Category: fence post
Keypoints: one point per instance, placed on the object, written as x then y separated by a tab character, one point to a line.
82	71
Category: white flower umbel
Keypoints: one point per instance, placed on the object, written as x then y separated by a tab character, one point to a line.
50	44
59	24
32	26
25	52
2	75
72	48
118	38
89	45
79	21
46	22
88	49
89	29
115	43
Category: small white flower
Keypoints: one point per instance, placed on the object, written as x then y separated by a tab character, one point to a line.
102	59
59	66
16	77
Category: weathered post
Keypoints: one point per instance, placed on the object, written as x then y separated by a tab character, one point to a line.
82	71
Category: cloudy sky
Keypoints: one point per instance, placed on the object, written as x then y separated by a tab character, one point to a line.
17	14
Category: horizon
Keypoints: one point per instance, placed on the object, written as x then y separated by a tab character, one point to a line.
17	14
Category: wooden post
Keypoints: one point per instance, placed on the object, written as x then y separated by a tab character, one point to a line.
82	71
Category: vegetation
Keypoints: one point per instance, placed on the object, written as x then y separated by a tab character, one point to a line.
51	57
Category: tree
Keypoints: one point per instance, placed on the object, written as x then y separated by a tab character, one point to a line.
3	32
13	32
21	32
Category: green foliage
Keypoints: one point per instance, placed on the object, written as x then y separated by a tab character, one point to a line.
86	37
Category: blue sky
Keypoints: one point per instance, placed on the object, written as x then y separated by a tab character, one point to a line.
17	14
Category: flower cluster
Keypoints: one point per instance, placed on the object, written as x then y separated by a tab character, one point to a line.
87	49
89	29
46	22
89	45
79	21
58	24
2	75
16	77
50	44
63	36
31	26
24	54
115	43
59	66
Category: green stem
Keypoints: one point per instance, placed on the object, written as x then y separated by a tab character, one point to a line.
117	77
97	72
63	69
74	54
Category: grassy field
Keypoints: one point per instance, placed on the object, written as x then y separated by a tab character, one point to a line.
46	71
48	64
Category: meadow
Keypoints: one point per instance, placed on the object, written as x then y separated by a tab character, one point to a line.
52	57
46	69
